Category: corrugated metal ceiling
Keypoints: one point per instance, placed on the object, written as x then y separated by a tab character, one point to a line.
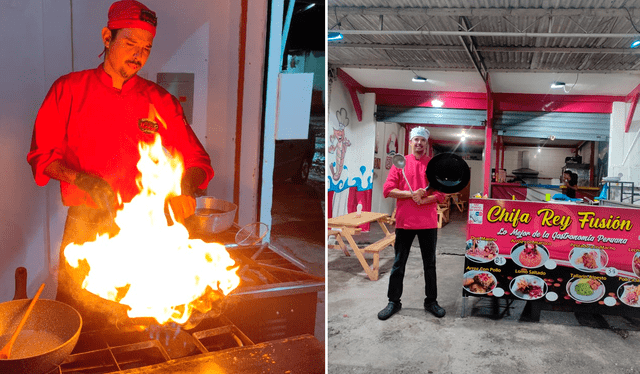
516	40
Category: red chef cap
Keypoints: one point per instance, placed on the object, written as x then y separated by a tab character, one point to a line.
132	14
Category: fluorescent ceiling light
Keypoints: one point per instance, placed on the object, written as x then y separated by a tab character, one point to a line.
557	85
333	35
419	79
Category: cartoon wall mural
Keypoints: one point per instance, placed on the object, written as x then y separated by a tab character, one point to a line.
392	149
350	152
348	188
341	143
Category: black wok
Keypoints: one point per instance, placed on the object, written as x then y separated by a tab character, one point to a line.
448	173
48	337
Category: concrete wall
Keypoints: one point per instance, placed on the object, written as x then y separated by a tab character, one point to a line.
38	45
476	183
624	155
389	141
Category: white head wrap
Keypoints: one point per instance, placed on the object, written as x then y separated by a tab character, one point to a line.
419	131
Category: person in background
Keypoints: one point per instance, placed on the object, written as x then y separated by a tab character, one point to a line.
416	214
570	180
88	129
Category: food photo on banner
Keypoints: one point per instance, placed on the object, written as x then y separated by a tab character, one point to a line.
562	256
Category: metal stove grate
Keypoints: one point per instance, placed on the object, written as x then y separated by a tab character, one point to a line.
112	351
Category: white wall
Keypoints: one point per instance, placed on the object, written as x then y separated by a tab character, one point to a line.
35	51
624	148
387	136
476	184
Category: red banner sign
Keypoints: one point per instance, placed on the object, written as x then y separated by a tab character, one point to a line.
561	254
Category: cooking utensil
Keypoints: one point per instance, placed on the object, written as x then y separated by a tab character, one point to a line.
448	173
5	352
250	234
47	338
212	215
399	161
21	284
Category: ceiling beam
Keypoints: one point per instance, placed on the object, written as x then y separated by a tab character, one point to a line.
353	86
488	33
482	12
455	48
505	70
470	44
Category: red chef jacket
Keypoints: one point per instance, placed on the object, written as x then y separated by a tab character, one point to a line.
95	128
410	215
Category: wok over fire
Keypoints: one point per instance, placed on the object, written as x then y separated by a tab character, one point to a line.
154	268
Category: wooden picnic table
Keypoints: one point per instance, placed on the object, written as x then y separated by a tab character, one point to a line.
346	227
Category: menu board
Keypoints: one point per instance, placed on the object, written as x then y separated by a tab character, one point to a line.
563	254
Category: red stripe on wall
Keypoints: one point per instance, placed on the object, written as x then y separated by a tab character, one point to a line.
501	101
554	103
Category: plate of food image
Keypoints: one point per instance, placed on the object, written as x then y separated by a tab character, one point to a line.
479	282
585	290
588	259
529	255
481	250
635	264
528	287
629	293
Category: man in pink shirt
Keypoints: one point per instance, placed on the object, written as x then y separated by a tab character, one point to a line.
416	214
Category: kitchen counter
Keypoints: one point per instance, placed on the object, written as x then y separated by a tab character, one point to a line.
301	354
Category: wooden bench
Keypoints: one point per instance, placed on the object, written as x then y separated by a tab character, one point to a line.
338	235
443	215
381	244
458	202
348	225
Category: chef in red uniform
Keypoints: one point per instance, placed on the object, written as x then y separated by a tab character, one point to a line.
88	128
416	215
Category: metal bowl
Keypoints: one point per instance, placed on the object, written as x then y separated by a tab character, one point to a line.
48	337
213	215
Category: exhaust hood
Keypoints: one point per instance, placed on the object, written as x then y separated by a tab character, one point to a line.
523	165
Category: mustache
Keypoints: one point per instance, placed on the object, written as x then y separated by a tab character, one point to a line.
133	62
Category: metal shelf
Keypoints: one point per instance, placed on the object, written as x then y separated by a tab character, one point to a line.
630	190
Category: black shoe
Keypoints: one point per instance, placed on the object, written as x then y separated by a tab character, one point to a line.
389	310
435	309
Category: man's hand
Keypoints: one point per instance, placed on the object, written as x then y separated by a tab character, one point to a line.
99	190
182	206
417	195
192	178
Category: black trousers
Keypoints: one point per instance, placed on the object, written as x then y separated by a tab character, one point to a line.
427	239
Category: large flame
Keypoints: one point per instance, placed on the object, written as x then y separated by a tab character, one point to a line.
152	267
